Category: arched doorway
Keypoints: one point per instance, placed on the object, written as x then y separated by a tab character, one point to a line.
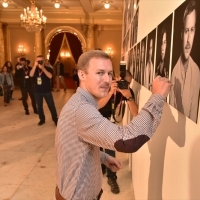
62	41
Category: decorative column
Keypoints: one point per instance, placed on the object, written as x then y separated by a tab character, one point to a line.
90	37
2	46
38	44
7	48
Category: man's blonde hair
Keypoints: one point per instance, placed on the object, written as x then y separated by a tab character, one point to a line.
84	59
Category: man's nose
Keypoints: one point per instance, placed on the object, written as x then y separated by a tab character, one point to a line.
107	78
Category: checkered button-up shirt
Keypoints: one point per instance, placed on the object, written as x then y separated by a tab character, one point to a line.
82	130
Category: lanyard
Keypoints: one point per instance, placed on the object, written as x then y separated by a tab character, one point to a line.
25	71
40	72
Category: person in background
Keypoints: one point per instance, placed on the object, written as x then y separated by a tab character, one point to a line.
105	105
26	84
18	63
10	69
59	68
7	84
48	64
42	85
75	77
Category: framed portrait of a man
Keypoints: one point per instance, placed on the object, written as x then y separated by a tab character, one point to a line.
185	76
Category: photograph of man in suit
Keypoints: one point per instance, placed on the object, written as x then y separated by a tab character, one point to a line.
185	77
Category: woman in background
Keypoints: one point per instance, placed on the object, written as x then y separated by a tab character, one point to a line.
7	84
75	77
8	64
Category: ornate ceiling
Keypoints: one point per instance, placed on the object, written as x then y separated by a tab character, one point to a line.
70	12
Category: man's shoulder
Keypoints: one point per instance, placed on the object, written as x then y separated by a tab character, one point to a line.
193	64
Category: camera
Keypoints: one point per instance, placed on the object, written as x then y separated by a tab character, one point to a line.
122	84
40	62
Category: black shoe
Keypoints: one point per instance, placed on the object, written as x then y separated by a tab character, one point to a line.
35	111
20	98
27	112
65	89
41	122
114	185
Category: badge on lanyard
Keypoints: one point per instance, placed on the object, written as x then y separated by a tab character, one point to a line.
39	81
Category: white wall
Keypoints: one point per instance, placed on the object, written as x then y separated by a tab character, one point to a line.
167	167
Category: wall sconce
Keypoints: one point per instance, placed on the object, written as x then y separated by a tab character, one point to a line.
57	3
65	54
106	4
109	51
21	50
5	3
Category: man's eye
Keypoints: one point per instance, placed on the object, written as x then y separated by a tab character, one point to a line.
101	73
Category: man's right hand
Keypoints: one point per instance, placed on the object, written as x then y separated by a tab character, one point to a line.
161	85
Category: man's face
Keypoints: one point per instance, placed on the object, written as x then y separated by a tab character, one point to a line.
18	60
150	49
23	63
163	46
188	34
98	79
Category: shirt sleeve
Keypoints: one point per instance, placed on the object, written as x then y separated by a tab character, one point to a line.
103	157
93	128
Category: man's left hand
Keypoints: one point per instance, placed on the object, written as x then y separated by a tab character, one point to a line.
113	164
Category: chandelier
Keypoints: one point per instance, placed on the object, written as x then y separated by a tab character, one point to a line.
33	20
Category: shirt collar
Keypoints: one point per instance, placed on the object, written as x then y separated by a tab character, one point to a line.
88	96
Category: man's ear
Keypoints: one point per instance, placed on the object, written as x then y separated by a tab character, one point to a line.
81	75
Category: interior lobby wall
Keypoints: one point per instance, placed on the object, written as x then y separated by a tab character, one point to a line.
167	167
19	36
106	36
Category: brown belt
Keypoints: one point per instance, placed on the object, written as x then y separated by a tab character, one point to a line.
59	197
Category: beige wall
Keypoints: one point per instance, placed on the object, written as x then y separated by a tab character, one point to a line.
19	36
167	167
105	36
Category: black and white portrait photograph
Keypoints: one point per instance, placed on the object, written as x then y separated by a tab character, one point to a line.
137	67
136	26
130	59
185	77
163	47
149	69
132	34
125	18
134	62
142	60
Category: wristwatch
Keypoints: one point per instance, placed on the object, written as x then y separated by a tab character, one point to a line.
130	99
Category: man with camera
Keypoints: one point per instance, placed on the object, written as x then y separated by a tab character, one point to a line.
26	84
82	129
115	97
42	78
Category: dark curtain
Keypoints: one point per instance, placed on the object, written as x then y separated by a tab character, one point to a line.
56	42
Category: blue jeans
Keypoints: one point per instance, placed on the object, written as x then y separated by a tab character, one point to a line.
50	103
